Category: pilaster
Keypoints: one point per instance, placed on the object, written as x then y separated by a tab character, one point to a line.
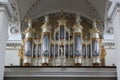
116	24
4	18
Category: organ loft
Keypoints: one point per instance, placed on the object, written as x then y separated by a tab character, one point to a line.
61	39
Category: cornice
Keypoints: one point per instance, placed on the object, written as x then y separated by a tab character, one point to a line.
116	9
109	44
4	8
11	10
12	45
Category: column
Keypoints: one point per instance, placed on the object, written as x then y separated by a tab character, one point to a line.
3	38
116	25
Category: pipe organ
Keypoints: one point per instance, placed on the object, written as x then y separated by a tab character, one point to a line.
29	44
61	45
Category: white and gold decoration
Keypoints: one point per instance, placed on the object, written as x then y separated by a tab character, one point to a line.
63	41
29	43
95	42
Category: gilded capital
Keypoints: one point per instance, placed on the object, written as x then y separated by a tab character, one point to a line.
77	27
94	29
46	26
29	29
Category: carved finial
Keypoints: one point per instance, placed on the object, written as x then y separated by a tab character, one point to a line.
46	18
29	28
94	23
78	20
94	29
62	20
62	14
29	22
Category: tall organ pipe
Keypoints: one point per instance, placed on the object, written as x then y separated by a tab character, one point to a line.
95	44
29	35
77	45
46	45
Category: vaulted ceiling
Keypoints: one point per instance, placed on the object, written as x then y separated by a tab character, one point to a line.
88	8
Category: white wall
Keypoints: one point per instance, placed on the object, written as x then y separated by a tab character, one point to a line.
12	57
110	57
116	24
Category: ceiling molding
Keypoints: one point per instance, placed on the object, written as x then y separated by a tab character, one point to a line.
86	2
89	5
92	9
33	7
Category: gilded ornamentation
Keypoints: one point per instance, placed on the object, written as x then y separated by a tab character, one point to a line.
102	56
94	29
103	53
62	45
21	50
46	26
29	29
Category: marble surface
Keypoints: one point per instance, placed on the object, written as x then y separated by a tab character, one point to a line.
36	73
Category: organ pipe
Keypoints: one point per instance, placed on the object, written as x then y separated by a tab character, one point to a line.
61	45
28	50
45	45
77	34
95	44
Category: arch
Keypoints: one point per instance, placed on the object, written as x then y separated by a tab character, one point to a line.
83	3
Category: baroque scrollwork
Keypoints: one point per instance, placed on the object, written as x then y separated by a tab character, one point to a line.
61	45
